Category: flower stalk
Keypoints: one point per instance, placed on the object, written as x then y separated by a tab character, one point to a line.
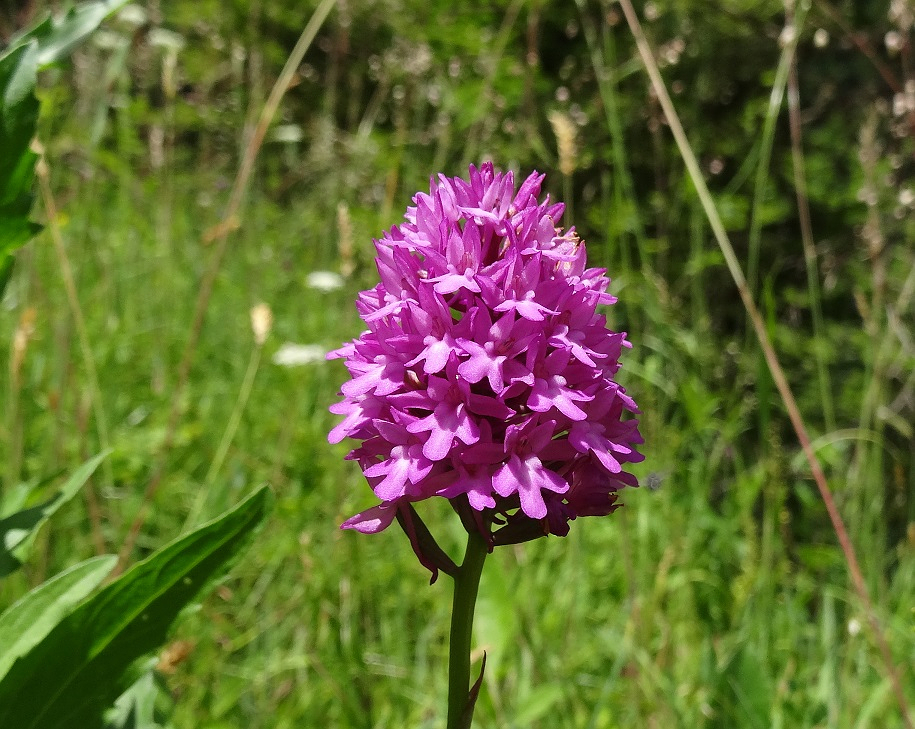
466	585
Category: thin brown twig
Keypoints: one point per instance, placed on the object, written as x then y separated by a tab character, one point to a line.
220	238
775	368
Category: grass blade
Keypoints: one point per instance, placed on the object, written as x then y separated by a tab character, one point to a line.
18	530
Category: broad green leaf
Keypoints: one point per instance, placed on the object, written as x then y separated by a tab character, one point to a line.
18	530
31	618
72	676
58	36
18	118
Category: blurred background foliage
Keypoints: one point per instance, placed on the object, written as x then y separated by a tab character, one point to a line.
718	597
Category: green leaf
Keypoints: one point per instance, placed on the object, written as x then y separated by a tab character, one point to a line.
49	41
82	665
466	719
18	119
31	618
58	36
18	530
6	271
145	705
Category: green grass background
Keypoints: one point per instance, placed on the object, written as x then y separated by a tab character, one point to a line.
717	598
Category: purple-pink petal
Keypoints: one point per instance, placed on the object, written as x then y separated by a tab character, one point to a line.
373	520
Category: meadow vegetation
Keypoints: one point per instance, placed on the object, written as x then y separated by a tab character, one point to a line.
718	596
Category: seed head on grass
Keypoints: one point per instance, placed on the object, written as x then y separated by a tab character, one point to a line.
564	129
486	374
261	323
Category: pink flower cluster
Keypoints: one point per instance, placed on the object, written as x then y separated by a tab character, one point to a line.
486	375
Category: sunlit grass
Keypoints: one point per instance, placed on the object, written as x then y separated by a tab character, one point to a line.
715	598
684	607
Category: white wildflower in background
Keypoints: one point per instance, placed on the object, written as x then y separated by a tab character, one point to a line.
324	280
287	133
902	14
108	40
166	39
893	41
669	53
296	355
787	36
133	15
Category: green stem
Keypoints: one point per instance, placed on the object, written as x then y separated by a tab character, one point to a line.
466	584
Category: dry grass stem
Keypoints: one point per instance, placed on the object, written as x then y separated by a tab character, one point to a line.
345	240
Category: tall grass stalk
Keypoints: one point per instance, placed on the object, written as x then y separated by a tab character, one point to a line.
767	138
220	239
76	311
22	336
772	360
760	188
603	57
244	393
493	53
803	209
866	467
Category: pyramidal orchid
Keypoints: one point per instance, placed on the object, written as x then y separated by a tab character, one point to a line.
486	376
